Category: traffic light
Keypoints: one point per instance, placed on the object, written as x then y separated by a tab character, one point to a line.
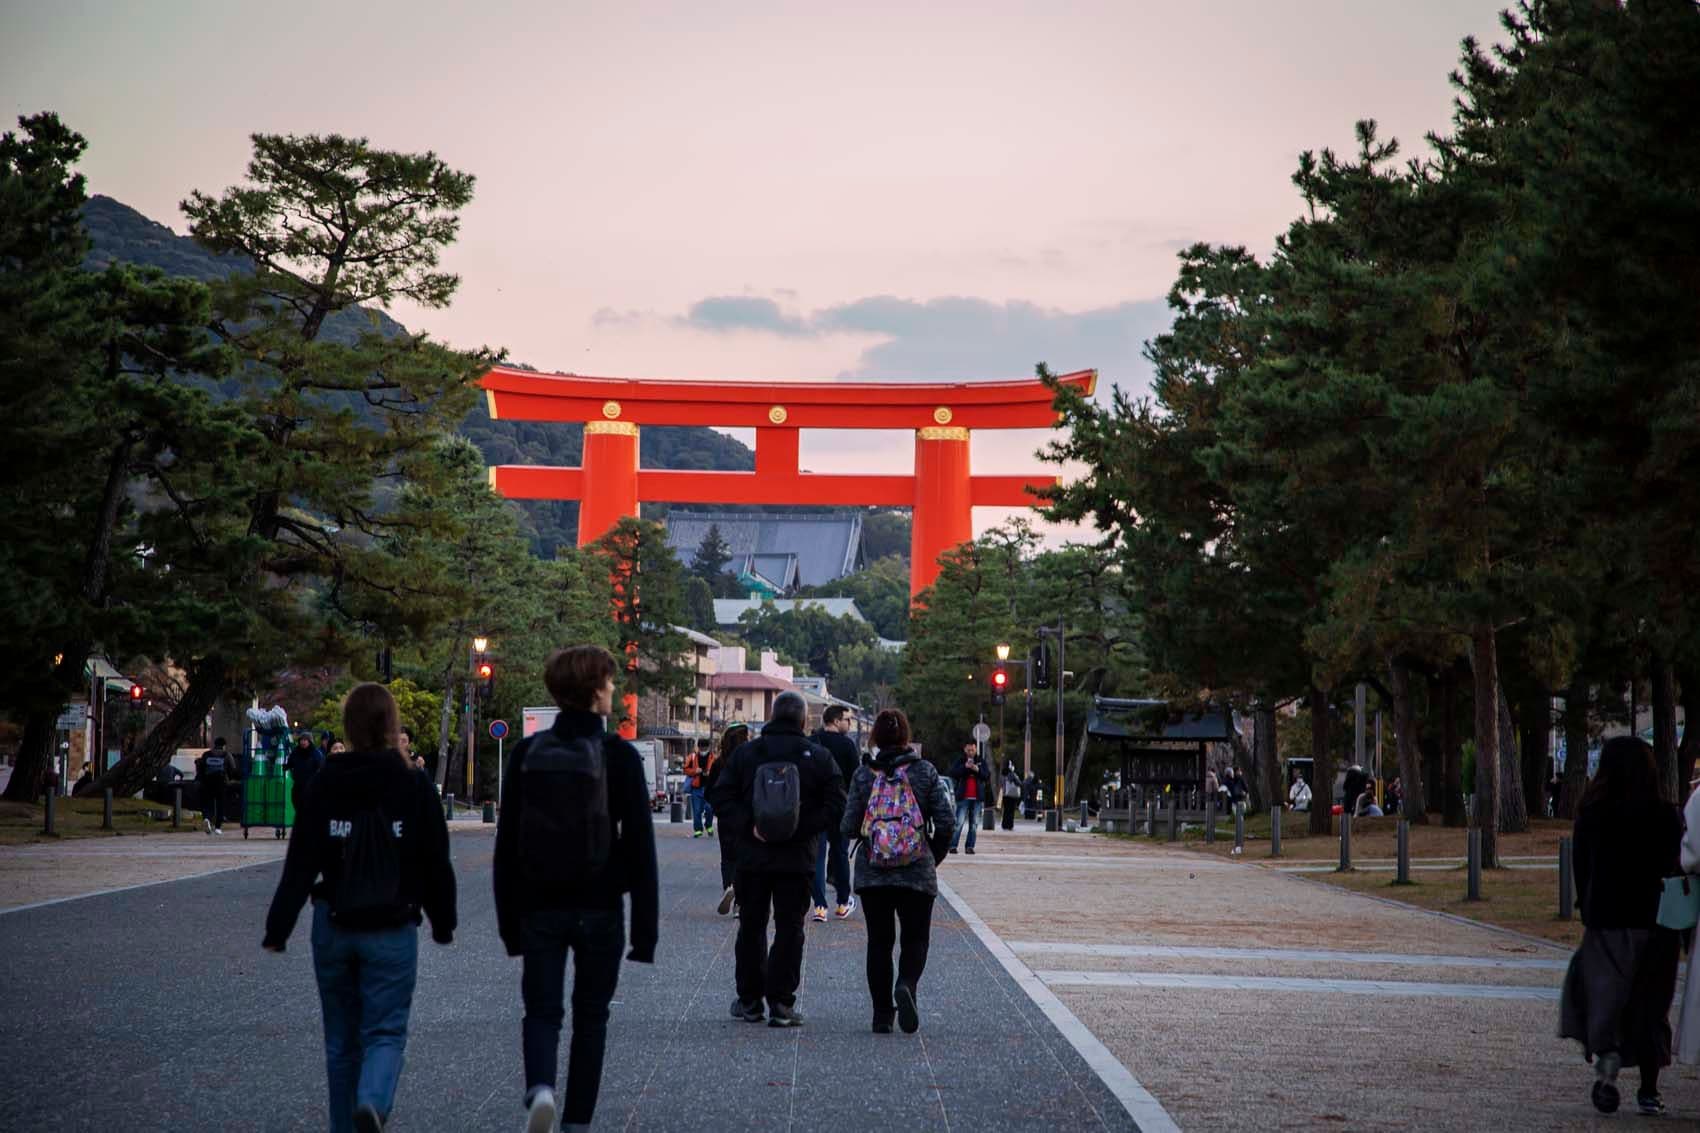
1039	667
487	679
137	692
1000	683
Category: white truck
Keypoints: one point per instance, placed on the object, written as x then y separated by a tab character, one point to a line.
533	720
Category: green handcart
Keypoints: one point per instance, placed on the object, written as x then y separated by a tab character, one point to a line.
266	791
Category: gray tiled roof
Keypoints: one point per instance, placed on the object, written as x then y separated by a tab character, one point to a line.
727	611
828	545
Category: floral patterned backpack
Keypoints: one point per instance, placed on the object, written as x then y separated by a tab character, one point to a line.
893	825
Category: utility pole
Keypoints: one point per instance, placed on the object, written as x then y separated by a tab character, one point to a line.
1059	631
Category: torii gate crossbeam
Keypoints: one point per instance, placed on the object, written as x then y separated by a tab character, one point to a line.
943	492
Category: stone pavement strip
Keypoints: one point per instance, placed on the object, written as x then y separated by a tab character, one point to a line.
1241	997
154	1008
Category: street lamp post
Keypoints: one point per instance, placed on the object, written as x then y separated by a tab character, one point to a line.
480	646
1059	632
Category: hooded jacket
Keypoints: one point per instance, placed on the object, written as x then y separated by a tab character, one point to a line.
350	784
632	853
819	782
936	807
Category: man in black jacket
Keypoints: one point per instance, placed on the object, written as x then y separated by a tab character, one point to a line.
833	735
542	918
972	779
774	873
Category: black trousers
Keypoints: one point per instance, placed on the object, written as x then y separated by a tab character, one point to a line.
1009	812
595	937
885	907
212	800
728	852
771	974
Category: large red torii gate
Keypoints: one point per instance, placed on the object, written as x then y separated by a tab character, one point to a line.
609	484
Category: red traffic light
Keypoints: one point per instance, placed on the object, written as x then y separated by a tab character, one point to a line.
137	692
1000	680
486	670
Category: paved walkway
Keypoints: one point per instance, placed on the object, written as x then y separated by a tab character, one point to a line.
165	1013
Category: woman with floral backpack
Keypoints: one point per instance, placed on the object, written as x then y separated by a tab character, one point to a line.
901	811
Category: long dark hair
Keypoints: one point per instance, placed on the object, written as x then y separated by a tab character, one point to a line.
1626	773
732	737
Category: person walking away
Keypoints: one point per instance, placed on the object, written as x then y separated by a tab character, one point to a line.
1688	1027
1352	786
969	776
702	812
574	836
372	851
1011	793
303	763
212	774
893	803
834	736
1030	796
730	740
1618	989
778	792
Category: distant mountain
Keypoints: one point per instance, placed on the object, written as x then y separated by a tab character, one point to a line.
121	234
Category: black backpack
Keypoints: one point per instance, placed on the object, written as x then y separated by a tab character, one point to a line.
369	895
566	836
776	800
215	762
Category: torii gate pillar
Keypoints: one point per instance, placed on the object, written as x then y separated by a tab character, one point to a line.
611	464
944	502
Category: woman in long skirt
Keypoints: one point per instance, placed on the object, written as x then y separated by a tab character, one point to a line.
1617	993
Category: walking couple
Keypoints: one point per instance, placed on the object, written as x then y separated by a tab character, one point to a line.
371	849
780	796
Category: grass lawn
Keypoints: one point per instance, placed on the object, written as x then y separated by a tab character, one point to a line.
1520	899
1371	838
20	823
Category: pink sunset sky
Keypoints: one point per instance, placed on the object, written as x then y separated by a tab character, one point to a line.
776	191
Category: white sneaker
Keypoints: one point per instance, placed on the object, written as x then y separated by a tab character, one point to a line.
727	900
541	1114
219	830
207	822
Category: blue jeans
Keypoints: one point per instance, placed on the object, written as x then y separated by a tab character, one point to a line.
967	815
832	853
595	937
366	993
701	813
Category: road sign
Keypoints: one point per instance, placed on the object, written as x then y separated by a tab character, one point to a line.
982	732
498	729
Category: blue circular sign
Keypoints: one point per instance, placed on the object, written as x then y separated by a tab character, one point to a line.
498	729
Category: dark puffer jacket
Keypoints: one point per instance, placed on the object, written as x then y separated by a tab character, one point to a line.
935	799
822	799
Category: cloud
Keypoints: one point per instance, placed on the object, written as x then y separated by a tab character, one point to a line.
742	312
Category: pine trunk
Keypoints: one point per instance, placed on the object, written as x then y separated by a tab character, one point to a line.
134	771
1664	729
35	757
1413	806
1451	754
1245	761
1077	759
1322	766
444	719
1266	754
1484	665
1513	807
1575	748
1534	733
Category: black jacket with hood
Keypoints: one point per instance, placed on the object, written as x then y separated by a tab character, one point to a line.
632	853
819	782
936	807
350	784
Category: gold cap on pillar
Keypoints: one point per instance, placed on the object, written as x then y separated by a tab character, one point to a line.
942	433
610	429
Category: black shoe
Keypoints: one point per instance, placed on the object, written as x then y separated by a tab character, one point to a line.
907	1016
1605	1096
1650	1105
970	849
779	1015
366	1120
747	1012
882	1026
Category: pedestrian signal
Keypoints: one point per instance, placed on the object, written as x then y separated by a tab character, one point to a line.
137	692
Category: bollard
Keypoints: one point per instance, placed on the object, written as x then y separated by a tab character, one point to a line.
1345	844
1053	821
449	807
106	809
1239	828
1174	817
1566	878
489	812
1085	816
1473	882
1275	831
1403	876
988	817
676	812
1209	820
48	826
177	808
1151	817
